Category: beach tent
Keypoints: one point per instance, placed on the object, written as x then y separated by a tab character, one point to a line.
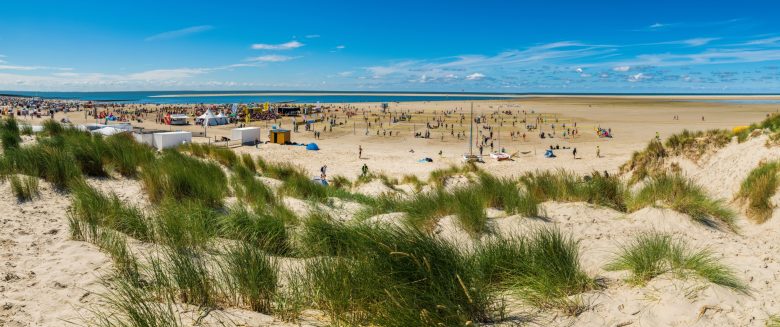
549	154
222	119
209	119
312	147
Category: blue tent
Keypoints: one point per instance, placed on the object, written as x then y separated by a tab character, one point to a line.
549	154
312	147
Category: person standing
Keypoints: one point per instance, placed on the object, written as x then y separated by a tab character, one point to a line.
323	170
598	152
574	153
360	152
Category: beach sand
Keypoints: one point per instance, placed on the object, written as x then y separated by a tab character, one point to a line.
48	280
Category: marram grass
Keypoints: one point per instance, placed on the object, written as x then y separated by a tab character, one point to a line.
653	254
758	189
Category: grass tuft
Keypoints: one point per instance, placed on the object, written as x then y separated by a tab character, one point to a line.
757	190
24	188
682	195
654	254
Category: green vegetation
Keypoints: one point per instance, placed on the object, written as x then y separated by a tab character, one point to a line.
567	187
682	195
179	177
251	276
10	134
757	190
439	176
94	210
542	268
399	277
652	255
24	188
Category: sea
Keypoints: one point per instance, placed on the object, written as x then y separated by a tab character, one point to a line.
222	97
214	97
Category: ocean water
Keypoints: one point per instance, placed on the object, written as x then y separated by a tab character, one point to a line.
220	97
214	97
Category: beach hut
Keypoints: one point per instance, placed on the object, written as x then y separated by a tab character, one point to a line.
167	140
247	135
279	136
179	119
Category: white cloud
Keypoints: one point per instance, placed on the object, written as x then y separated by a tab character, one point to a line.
346	74
271	58
657	25
579	70
283	46
622	68
340	47
167	74
312	36
180	33
27	68
475	77
638	77
697	42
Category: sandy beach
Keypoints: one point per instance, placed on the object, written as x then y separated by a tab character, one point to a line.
48	279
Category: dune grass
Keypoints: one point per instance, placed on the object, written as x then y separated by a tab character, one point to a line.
340	182
439	176
185	224
251	190
129	306
251	277
398	277
189	277
757	190
10	134
653	254
542	268
126	155
264	231
771	123
248	162
51	163
682	195
24	188
648	162
179	177
467	203
564	186
95	209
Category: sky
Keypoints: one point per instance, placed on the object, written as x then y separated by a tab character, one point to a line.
636	46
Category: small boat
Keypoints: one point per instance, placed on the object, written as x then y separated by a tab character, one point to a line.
500	156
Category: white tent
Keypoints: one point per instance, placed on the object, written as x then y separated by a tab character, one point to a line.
247	135
209	119
222	119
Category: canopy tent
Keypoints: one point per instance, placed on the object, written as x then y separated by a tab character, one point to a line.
209	119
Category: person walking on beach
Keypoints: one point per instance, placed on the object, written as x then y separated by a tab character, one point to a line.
360	151
598	152
364	170
574	153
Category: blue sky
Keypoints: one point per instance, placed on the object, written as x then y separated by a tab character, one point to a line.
486	46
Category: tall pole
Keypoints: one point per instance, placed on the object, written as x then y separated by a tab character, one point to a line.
471	132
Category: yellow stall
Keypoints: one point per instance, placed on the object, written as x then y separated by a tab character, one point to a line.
279	136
